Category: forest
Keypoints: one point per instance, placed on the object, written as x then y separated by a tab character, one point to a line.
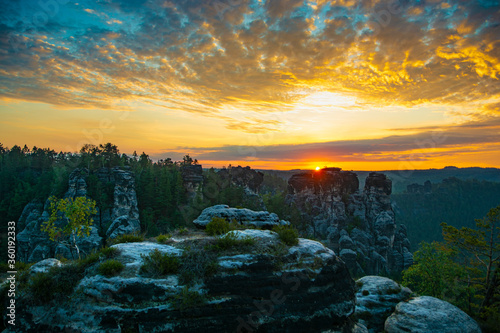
454	201
450	243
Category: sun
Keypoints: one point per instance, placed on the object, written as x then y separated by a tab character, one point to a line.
317	168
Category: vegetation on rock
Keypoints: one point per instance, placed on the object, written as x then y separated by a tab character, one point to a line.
77	216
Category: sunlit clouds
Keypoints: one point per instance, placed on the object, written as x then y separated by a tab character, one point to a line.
266	83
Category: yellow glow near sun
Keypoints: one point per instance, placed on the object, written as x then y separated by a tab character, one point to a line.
317	168
328	99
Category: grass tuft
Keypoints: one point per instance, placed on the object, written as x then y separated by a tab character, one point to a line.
288	235
110	268
158	264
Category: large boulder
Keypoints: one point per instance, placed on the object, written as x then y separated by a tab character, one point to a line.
243	216
268	287
376	299
123	225
428	314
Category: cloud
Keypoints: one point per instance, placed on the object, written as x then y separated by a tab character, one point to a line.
205	56
427	143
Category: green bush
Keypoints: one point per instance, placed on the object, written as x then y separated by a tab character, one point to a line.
230	241
130	238
197	265
110	268
163	238
217	226
40	288
182	231
158	263
57	283
110	252
288	235
188	299
88	260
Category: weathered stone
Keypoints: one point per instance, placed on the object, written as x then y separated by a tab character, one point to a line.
314	292
330	198
123	226
244	177
45	265
243	216
428	314
35	245
376	298
192	177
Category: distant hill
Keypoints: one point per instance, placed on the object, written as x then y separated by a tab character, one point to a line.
402	178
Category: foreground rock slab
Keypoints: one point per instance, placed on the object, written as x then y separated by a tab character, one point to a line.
262	287
376	299
428	314
244	216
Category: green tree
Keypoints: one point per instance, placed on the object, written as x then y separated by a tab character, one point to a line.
435	273
481	248
76	215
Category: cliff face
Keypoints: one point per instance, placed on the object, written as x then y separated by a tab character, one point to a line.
192	177
34	245
360	226
268	287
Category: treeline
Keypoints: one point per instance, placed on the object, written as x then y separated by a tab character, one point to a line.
454	201
37	173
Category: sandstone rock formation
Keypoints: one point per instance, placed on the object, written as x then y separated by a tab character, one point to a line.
34	245
304	288
243	216
360	226
243	176
376	299
428	314
192	177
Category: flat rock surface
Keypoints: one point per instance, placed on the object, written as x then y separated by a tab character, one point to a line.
428	314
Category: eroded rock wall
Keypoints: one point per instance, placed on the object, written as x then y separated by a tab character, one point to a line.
34	245
359	225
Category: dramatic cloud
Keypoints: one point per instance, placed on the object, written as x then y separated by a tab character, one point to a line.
240	60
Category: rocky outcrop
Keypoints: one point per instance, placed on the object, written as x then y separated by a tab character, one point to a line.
243	176
243	216
376	299
359	225
303	288
420	189
34	245
428	314
45	265
192	177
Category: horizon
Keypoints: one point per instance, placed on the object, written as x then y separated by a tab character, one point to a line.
277	85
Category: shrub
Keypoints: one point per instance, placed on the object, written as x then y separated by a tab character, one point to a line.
163	238
129	238
158	263
40	288
217	226
288	235
188	299
230	240
90	259
110	252
110	268
197	264
57	283
183	231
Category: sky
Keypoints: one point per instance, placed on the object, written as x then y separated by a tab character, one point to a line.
276	84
